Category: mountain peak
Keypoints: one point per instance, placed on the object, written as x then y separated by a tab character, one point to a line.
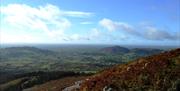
115	49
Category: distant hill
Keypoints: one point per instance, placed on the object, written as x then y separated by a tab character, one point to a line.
19	51
147	51
21	59
159	72
123	50
115	49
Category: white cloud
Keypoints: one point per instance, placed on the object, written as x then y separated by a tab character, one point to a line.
48	19
86	22
109	24
156	34
44	18
18	38
77	14
94	33
24	23
145	31
75	37
113	26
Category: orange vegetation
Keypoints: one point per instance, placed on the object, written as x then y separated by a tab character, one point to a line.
157	72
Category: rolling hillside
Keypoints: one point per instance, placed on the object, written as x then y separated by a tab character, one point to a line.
29	59
115	49
159	72
25	53
123	50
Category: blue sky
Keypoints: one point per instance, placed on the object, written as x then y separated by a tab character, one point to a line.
134	22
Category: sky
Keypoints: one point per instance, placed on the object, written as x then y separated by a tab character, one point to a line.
131	22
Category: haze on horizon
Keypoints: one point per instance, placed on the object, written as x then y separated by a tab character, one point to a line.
136	22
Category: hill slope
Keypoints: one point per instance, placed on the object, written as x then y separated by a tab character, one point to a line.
135	51
115	49
16	52
159	72
145	51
